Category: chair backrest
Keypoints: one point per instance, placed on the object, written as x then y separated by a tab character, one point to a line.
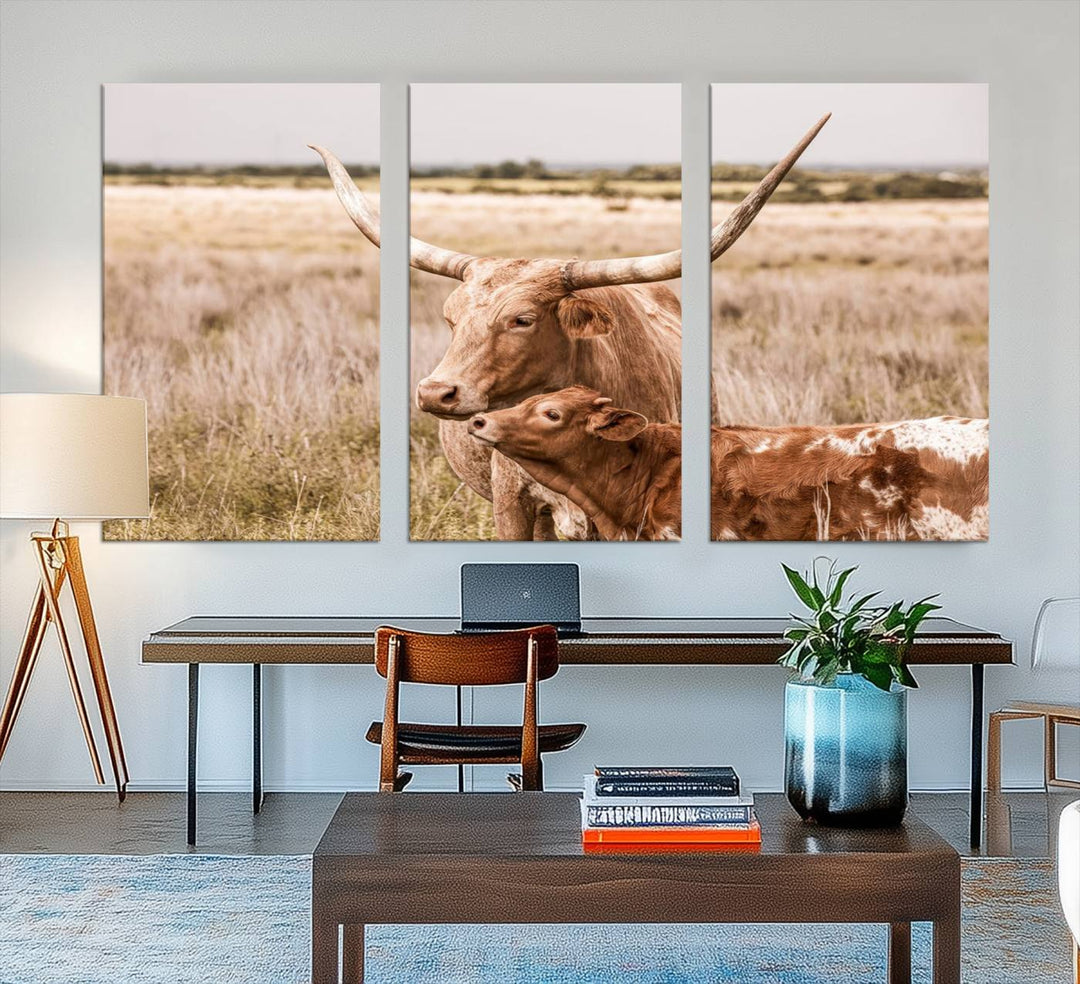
1055	642
468	660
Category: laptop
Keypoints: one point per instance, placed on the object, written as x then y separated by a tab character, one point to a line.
515	596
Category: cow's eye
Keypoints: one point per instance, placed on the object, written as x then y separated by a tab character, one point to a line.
522	321
551	414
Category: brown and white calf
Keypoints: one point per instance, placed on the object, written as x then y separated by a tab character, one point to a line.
912	480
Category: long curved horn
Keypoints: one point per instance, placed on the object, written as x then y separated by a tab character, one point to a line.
423	256
739	220
579	274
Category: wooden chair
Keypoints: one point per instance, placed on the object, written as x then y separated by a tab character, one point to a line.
484	659
1054	645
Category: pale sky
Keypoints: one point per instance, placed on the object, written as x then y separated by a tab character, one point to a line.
872	123
229	123
558	123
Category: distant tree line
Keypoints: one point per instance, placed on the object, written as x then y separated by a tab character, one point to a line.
238	170
856	185
537	170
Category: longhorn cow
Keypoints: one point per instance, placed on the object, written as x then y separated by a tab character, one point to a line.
520	327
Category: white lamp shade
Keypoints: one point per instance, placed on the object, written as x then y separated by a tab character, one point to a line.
1055	643
72	457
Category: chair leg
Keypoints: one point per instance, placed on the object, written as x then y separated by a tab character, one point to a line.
993	752
1049	753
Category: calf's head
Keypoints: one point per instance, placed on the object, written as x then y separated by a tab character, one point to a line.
568	427
514	322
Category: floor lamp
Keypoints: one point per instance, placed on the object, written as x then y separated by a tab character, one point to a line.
78	457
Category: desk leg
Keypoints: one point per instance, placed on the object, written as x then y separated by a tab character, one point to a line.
899	953
976	753
256	738
460	766
352	954
192	747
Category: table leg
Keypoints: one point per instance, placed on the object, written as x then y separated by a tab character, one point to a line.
192	748
947	950
460	766
976	805
352	955
324	949
256	738
900	953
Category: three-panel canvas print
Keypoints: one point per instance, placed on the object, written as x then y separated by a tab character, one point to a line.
849	316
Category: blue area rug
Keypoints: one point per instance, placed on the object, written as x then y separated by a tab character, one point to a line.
245	920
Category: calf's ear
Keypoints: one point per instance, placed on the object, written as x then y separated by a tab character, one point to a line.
581	318
612	424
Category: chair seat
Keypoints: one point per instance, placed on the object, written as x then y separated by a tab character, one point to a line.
473	742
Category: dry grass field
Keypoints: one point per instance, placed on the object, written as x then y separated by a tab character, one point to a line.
852	312
822	313
247	317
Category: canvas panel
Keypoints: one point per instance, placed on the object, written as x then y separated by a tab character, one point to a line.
850	322
242	304
523	179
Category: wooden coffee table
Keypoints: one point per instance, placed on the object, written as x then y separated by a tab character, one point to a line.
517	858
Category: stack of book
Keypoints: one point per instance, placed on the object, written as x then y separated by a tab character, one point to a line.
655	806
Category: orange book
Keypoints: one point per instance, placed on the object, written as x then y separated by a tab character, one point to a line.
749	834
639	848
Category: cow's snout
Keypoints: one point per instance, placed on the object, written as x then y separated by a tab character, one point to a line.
484	429
435	396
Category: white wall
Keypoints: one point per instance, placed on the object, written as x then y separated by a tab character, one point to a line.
54	57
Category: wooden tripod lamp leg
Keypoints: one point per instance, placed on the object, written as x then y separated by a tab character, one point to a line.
24	667
53	608
77	576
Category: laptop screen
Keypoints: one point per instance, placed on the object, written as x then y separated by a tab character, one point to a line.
504	596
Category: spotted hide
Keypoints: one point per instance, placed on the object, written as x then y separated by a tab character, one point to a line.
910	480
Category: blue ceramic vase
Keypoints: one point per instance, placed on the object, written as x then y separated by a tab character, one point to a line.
846	752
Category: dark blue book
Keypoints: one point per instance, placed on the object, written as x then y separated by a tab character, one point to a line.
715	780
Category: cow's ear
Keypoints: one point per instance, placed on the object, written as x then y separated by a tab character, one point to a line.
581	318
616	425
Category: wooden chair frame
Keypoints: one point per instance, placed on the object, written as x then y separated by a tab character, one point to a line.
1052	715
536	668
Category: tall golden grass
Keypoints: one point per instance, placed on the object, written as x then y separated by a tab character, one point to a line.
845	313
822	313
248	320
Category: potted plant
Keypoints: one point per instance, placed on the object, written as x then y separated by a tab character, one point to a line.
845	712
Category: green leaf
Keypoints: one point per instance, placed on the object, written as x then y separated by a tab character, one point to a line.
903	676
838	589
800	587
880	676
864	600
877	653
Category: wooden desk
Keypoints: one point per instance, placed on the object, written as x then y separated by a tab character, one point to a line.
608	641
518	858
